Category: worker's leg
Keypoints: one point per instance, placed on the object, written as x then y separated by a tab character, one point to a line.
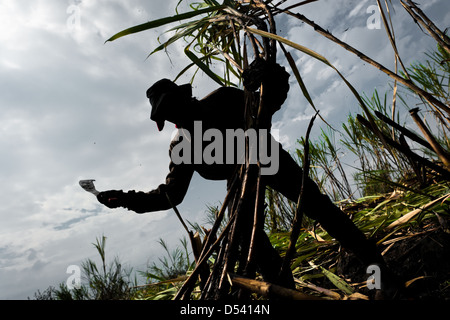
319	207
269	262
266	258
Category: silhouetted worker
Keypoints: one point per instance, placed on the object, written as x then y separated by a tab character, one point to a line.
224	109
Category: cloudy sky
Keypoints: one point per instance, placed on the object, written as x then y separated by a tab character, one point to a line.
73	107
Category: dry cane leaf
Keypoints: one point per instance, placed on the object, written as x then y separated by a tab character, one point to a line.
413	213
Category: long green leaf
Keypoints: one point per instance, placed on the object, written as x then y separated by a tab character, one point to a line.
310	53
177	36
299	79
302	84
203	66
337	281
160	22
289	43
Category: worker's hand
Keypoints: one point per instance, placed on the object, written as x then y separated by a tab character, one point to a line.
254	75
261	71
112	198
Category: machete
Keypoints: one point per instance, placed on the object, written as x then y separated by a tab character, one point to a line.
88	185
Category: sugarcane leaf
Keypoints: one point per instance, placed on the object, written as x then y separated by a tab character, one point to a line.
203	66
179	35
299	79
337	281
289	43
316	56
160	22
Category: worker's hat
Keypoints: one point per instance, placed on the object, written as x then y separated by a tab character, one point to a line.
161	93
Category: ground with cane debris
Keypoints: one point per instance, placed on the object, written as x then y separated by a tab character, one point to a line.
418	253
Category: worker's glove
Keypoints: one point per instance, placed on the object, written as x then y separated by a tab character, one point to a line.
260	71
112	198
277	77
254	74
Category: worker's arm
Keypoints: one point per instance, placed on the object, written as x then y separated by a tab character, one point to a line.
176	186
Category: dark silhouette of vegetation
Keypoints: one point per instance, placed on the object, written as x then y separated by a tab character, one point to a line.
108	282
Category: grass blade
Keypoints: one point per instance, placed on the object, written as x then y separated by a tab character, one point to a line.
337	281
203	66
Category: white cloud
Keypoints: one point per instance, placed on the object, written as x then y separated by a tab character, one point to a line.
362	5
73	107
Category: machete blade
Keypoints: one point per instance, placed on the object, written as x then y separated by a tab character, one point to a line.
88	185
